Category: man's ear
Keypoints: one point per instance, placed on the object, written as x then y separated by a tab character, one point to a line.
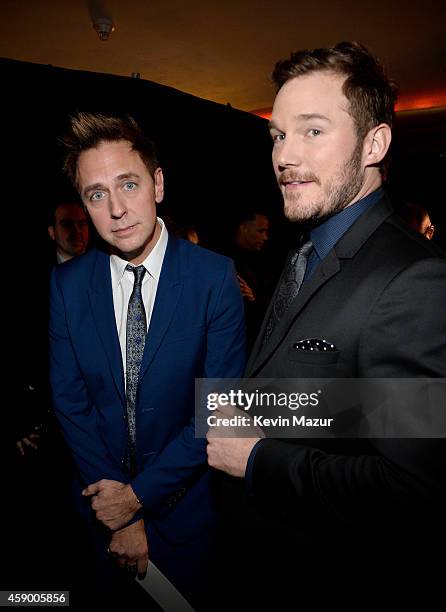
376	144
158	179
51	232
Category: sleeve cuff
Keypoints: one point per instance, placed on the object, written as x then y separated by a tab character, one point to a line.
249	469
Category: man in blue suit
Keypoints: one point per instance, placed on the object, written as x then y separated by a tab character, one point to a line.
125	397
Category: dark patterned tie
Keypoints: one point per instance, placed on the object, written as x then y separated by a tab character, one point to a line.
289	287
136	338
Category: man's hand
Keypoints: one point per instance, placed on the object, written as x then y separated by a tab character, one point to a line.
229	446
115	503
246	290
230	454
130	547
30	441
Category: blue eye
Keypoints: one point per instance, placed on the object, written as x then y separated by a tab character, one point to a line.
96	196
130	186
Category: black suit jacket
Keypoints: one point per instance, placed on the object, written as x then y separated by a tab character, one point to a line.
379	297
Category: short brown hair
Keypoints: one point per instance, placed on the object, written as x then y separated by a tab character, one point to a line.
88	130
371	94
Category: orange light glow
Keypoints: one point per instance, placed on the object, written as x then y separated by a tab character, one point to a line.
426	100
265	113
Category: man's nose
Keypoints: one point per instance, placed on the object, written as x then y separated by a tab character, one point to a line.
117	206
288	153
80	228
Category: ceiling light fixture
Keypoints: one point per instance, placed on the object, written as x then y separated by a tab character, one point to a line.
101	19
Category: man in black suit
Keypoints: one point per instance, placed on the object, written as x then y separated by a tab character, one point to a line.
373	294
69	230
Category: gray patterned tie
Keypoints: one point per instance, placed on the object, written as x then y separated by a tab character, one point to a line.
136	338
289	287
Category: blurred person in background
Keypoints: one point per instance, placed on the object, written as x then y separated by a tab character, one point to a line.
69	230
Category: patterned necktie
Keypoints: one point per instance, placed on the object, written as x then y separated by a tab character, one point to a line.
136	338
289	287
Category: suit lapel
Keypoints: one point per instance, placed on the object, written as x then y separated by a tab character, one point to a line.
328	268
168	293
346	248
259	340
101	303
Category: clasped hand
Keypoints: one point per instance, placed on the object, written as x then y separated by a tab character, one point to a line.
115	503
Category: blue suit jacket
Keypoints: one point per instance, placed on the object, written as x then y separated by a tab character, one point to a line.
196	330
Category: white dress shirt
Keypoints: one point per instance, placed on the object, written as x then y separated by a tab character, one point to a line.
61	258
122	285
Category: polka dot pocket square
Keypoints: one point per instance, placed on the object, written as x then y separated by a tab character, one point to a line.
314	344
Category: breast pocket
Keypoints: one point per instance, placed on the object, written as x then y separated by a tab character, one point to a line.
312	364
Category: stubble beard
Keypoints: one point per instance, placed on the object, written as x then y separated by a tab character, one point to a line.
338	193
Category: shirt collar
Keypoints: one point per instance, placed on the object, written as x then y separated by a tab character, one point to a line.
325	236
152	263
61	258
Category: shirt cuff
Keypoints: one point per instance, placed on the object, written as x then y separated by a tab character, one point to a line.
249	485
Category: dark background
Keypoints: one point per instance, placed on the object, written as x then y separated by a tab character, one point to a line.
216	159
